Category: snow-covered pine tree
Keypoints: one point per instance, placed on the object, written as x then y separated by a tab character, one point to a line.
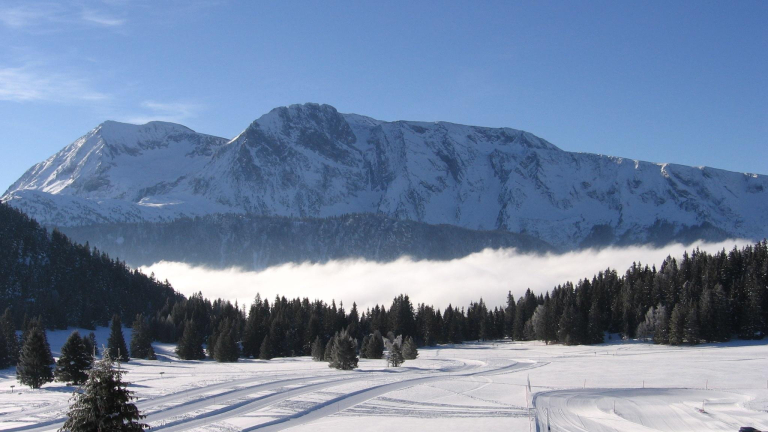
265	351
34	366
141	339
75	361
410	350
116	342
226	349
328	351
190	345
344	356
104	403
318	350
395	351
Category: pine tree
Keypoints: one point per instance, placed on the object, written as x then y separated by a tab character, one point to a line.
94	344
595	333
410	351
692	328
5	358
395	352
191	344
34	366
116	342
344	356
364	346
318	350
661	332
104	404
8	330
677	325
141	339
88	347
75	361
375	348
328	352
265	351
226	350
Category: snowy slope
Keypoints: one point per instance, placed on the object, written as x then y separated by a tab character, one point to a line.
311	161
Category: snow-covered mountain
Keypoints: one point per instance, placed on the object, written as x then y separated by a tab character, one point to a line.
312	161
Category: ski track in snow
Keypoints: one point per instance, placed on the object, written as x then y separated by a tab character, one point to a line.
450	388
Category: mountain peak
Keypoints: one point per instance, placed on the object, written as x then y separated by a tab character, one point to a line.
309	160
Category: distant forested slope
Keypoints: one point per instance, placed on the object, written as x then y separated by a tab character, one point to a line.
46	274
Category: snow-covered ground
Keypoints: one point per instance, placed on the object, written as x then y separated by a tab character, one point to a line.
475	386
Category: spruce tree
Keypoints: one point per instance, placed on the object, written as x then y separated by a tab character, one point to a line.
190	345
375	348
104	403
265	351
226	349
692	328
410	350
328	352
677	325
5	358
595	333
395	352
141	340
364	346
344	356
318	350
88	347
75	361
661	332
94	344
116	343
34	366
12	346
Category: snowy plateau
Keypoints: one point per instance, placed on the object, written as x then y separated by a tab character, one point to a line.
513	386
309	162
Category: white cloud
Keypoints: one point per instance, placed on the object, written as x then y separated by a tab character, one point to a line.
33	83
21	16
165	111
489	274
50	16
101	19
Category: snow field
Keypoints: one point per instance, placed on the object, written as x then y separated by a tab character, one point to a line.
449	388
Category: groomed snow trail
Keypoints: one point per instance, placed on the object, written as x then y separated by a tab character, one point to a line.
644	410
343	402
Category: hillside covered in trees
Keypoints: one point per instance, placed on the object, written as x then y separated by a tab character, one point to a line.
47	275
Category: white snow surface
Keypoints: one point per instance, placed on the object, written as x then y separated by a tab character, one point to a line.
310	160
620	386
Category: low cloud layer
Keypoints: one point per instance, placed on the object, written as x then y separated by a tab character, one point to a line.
488	274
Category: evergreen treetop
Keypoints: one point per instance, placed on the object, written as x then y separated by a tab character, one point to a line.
104	403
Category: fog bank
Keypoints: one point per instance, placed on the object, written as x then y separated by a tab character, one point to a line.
489	274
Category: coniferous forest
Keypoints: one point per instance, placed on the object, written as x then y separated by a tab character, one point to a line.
699	297
46	275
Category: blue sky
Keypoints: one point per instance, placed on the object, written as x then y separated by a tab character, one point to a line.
685	82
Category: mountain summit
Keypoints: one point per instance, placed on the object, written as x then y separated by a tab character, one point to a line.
312	161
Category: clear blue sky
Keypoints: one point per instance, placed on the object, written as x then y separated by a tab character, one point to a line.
684	83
